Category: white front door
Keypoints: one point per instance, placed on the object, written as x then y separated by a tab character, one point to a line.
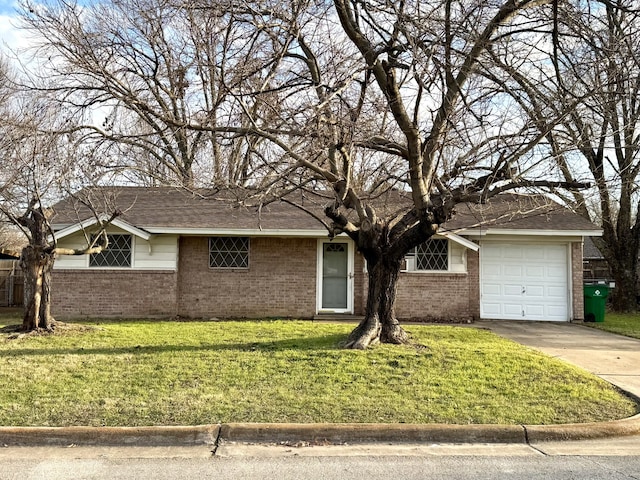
524	281
335	276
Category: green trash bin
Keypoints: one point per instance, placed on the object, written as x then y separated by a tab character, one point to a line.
595	300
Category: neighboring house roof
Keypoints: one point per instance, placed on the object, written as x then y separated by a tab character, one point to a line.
173	210
4	255
590	251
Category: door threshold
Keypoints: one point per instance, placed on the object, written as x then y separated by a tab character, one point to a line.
346	317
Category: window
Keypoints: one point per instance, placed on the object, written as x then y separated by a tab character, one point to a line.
430	255
229	252
117	253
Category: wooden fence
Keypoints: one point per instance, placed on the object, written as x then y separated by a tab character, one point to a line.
11	284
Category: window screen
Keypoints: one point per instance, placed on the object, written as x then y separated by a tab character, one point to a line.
433	255
117	253
229	252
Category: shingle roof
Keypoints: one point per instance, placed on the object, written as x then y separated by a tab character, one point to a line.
165	207
519	212
589	250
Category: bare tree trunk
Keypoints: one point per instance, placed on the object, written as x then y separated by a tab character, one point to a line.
620	250
624	295
37	264
380	323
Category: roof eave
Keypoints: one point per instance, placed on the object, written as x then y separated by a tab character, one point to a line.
460	240
531	232
247	232
127	227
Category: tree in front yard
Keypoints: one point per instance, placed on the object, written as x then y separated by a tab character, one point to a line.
404	100
38	163
351	100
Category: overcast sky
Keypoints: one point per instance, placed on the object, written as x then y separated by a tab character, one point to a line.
9	35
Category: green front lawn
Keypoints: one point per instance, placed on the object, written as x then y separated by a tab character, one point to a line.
623	323
172	373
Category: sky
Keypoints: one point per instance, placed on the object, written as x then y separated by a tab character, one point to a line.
10	36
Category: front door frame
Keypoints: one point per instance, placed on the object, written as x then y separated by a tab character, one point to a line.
350	275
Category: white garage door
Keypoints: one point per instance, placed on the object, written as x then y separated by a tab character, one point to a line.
524	282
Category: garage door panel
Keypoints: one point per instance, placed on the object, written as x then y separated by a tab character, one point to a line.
512	254
535	291
556	311
491	289
534	310
556	273
493	271
533	252
535	271
555	292
491	309
512	309
512	290
512	271
493	251
524	281
556	253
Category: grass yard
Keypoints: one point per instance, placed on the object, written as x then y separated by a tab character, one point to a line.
172	373
623	323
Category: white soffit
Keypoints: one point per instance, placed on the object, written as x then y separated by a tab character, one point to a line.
127	227
533	233
460	240
240	232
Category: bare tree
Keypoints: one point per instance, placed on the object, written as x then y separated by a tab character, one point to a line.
401	87
592	71
37	163
347	98
143	72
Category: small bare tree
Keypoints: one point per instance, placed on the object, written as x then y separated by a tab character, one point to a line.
37	162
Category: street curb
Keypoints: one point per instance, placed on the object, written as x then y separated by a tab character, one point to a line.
109	436
583	431
335	433
313	433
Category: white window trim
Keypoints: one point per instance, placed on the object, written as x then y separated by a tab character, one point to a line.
133	256
350	276
416	271
242	269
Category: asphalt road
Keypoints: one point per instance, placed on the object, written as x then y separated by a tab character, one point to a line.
562	461
329	468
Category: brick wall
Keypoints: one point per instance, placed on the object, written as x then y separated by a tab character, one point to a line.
359	285
434	297
280	280
576	279
473	269
447	297
114	293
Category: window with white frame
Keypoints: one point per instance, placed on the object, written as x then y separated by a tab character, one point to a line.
117	254
229	252
432	255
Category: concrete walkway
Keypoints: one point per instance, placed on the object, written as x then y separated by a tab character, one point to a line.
614	358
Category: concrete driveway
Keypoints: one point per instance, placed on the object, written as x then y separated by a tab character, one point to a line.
614	358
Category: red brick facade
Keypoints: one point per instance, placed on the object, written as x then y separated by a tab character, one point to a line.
114	293
577	282
425	296
280	282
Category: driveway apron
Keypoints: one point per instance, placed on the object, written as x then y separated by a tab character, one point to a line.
614	358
